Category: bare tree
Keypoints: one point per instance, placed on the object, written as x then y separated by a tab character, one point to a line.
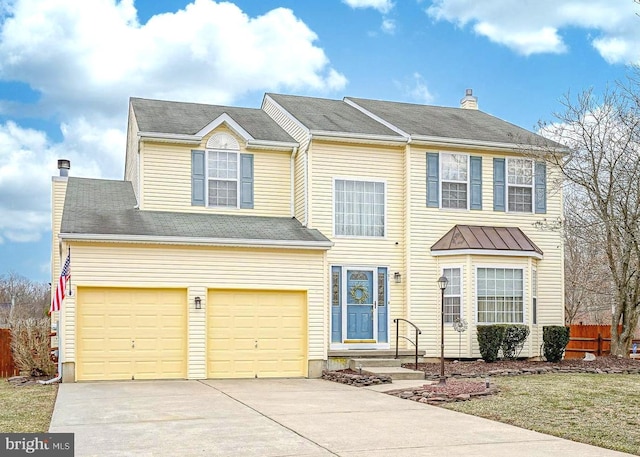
22	297
588	284
603	132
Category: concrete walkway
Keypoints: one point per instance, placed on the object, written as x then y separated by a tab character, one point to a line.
285	417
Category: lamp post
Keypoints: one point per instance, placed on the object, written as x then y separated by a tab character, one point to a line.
442	284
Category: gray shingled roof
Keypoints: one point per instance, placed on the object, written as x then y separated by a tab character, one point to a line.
158	116
444	122
327	115
104	207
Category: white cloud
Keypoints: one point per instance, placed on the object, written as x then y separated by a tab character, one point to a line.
388	26
384	6
536	27
86	58
28	159
416	89
207	52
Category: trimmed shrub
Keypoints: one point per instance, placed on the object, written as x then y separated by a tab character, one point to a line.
513	341
30	346
555	339
490	339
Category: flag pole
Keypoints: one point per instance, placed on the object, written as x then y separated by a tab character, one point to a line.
59	333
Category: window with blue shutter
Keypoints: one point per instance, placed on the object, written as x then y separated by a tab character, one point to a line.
246	180
541	188
197	178
433	198
499	184
476	182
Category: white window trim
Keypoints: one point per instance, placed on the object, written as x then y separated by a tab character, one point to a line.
525	297
532	186
333	207
208	178
441	180
462	284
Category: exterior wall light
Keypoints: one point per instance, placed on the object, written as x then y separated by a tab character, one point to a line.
397	277
198	302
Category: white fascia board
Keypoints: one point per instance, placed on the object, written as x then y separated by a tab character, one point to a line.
169	137
225	118
357	137
442	141
184	240
450	252
387	124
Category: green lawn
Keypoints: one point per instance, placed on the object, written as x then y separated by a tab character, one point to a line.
603	410
26	409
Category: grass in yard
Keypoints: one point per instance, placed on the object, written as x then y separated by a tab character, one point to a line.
26	409
603	410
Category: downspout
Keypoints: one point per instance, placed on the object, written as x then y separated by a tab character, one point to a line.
292	198
59	332
59	377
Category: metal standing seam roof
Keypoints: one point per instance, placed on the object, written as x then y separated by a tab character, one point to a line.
159	116
104	207
447	122
326	115
476	237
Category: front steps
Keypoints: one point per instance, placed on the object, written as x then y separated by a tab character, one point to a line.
386	367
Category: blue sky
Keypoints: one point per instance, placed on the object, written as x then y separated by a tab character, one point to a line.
67	69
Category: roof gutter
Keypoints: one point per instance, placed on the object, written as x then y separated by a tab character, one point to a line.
355	137
496	252
197	139
198	241
442	141
170	137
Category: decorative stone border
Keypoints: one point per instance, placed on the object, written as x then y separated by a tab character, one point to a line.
425	395
353	379
537	370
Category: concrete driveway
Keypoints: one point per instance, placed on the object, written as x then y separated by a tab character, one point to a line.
284	417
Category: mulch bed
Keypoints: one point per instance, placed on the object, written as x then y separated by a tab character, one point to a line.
460	387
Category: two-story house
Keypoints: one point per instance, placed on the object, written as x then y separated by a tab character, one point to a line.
263	242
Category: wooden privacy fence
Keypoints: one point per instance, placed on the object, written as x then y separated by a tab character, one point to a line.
7	367
595	339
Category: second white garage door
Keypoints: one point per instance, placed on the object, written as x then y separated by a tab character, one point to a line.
256	334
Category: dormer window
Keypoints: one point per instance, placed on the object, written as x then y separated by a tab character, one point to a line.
222	176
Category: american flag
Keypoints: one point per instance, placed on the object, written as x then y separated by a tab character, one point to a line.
65	274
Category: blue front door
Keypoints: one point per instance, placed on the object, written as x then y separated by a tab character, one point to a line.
360	297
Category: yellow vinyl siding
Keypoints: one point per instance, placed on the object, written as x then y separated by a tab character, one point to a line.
258	334
131	334
197	269
131	159
348	161
428	225
166	179
58	191
301	135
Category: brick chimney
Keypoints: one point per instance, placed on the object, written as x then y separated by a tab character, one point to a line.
469	101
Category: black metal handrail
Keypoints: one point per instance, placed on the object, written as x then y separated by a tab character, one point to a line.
415	344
